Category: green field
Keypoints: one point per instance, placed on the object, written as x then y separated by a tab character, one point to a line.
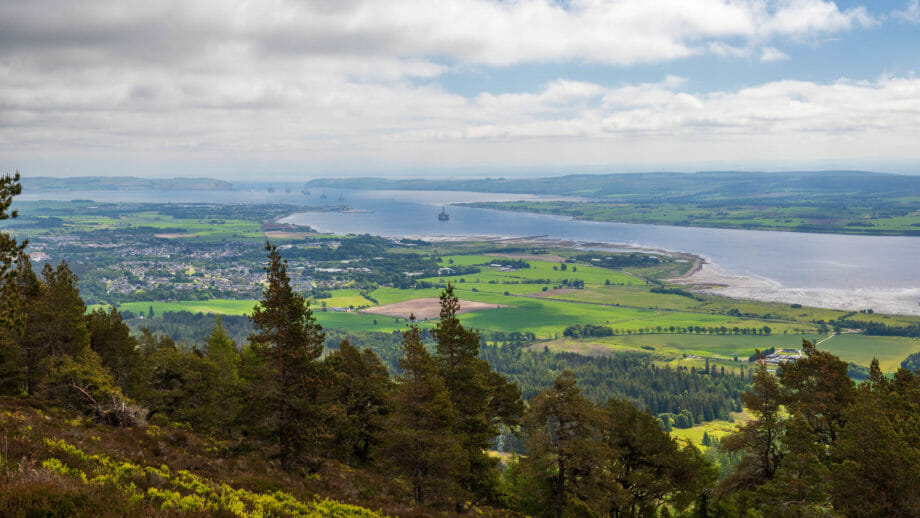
538	270
674	328
716	430
714	346
215	306
857	348
197	229
344	298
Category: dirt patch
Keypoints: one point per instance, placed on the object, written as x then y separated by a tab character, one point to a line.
550	293
172	236
425	308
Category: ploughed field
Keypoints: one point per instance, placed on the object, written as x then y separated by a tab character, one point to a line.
621	309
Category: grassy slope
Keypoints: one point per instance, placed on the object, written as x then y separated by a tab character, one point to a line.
57	464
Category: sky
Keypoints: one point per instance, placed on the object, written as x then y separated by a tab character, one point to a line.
265	89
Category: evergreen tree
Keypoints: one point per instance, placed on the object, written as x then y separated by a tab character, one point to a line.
876	470
183	387
62	311
418	439
647	467
111	339
565	454
761	437
481	400
222	350
818	388
10	250
360	389
288	377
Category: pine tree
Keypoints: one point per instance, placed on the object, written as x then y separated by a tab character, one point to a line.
565	455
481	399
418	440
818	388
360	389
10	250
288	342
111	339
222	350
761	437
646	466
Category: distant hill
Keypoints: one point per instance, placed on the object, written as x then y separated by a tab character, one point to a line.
122	183
664	185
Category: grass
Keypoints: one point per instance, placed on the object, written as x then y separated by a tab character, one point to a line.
538	270
627	306
804	218
215	306
343	299
857	348
716	429
718	346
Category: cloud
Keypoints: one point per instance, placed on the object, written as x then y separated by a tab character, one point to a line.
771	55
910	13
327	82
483	32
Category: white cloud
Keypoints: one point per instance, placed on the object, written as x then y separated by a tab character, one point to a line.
910	13
327	82
491	32
771	55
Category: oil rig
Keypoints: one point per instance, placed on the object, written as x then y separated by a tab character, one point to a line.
443	216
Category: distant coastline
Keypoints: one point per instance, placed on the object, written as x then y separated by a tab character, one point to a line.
708	278
121	183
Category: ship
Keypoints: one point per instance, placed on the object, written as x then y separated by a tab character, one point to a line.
443	216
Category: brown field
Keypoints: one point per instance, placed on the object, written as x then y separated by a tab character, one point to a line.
423	308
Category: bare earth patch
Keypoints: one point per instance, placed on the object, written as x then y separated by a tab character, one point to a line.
428	307
172	236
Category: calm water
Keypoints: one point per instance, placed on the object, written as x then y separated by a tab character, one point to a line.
817	263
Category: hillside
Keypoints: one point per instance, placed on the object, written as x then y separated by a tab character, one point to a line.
56	463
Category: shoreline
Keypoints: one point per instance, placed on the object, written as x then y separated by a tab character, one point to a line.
708	278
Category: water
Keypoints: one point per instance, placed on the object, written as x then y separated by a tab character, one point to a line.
825	269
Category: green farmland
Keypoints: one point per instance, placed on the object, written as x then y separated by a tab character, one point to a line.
679	327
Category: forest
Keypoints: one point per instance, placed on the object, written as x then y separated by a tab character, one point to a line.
98	421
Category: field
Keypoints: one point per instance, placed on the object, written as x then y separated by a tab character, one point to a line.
676	328
424	308
215	306
857	348
343	298
842	219
712	346
716	430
